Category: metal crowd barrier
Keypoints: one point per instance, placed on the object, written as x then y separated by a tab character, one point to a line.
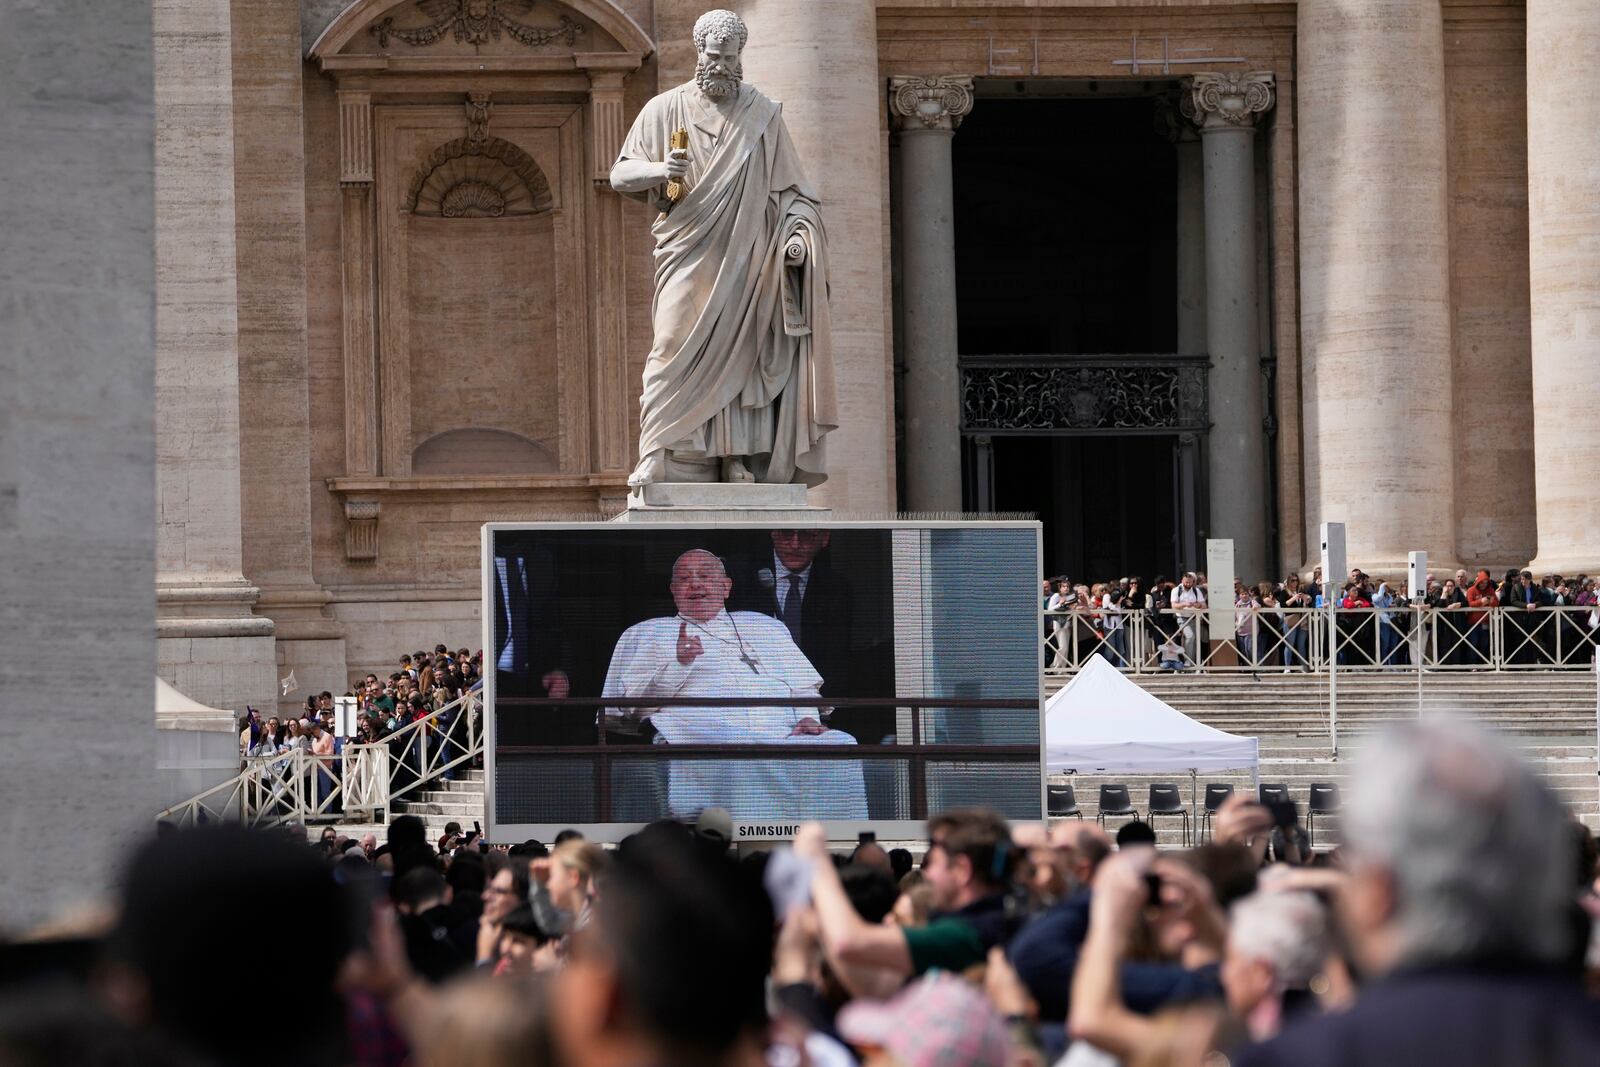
1298	639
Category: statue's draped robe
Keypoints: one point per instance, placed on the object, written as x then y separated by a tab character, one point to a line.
742	363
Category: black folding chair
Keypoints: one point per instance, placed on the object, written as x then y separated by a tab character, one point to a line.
1114	800
1275	793
1166	800
1063	802
1324	801
1216	793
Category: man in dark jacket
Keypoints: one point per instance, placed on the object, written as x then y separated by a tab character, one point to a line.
1461	901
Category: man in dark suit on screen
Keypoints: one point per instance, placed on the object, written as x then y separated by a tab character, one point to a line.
795	584
530	659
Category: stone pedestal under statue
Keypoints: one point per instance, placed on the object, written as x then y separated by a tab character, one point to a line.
685	502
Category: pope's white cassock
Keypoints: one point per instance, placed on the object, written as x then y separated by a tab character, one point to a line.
745	654
742	360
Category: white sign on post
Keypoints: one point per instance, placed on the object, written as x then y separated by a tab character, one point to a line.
1220	612
1334	571
1417	576
345	714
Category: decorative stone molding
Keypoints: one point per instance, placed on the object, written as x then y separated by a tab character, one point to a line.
1223	101
355	137
474	22
361	530
932	103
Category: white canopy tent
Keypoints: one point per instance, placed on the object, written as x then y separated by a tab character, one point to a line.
1102	723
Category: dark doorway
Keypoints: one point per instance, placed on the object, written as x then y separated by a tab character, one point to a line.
1066	246
1107	503
1066	227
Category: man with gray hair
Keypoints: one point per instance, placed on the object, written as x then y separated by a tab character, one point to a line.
738	385
1461	901
1277	943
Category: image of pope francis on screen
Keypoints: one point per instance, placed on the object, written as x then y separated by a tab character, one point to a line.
705	651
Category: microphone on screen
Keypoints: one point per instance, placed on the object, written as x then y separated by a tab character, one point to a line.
764	576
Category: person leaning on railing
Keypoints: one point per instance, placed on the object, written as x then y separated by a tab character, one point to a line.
1296	628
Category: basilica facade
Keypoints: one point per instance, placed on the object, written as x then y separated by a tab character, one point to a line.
1156	271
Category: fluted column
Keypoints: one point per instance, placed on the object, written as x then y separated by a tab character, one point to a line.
1564	275
1374	278
926	112
1225	107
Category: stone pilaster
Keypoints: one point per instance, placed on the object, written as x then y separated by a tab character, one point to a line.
275	426
925	112
1225	109
210	644
1564	269
608	386
820	60
1374	279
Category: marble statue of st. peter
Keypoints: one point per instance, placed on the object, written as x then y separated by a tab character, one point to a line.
738	386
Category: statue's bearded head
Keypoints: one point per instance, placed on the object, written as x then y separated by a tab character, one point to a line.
719	39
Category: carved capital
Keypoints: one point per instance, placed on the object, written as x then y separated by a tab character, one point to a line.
936	103
1214	101
361	530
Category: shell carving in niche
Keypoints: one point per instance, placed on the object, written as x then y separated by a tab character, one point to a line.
491	179
472	199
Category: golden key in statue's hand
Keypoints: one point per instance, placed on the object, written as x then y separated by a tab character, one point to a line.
677	164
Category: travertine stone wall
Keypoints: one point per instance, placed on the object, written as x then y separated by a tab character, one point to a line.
1564	268
210	645
77	448
1374	279
1487	112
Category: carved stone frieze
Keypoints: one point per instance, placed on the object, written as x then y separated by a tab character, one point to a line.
1223	100
475	22
1080	397
933	103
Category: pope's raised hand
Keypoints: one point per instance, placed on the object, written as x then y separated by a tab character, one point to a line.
689	647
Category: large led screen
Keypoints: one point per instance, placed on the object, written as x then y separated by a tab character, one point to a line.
856	673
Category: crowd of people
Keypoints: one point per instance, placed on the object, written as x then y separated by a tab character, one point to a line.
1457	923
1274	620
424	688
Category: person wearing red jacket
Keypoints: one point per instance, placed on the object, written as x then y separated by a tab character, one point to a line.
1480	595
